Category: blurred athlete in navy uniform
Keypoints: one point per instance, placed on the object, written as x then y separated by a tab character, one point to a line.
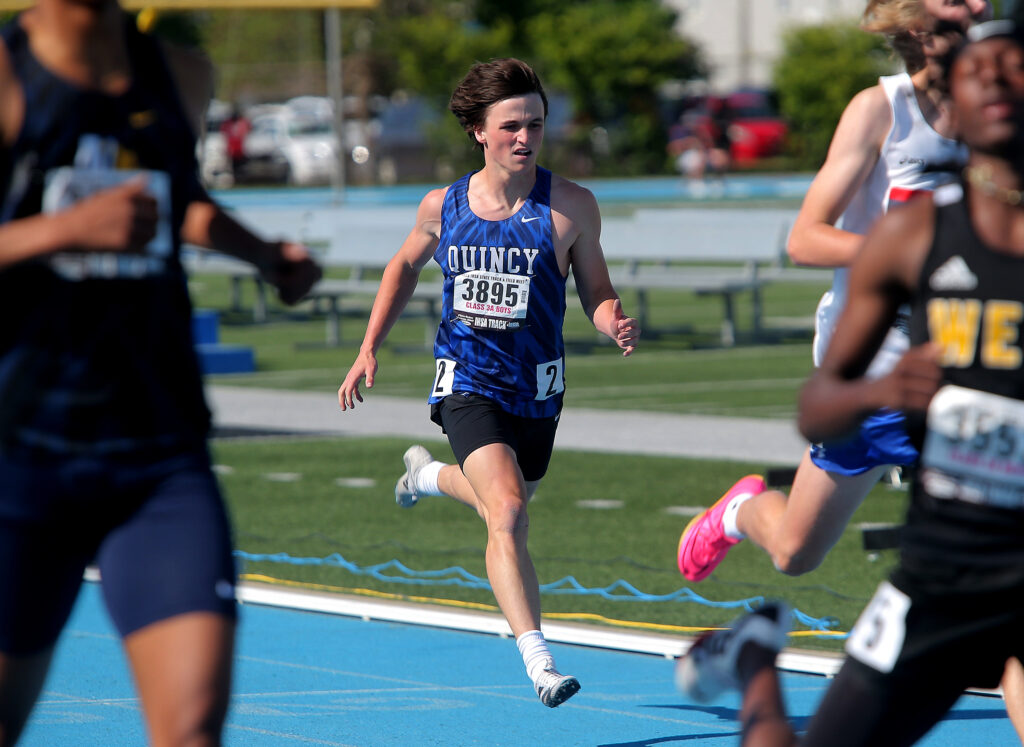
505	237
103	424
952	612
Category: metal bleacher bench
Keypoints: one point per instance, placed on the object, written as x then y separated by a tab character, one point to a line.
360	240
706	251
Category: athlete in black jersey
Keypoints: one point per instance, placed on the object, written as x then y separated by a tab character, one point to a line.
951	615
103	424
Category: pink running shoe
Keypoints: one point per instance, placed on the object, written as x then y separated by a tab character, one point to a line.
703	543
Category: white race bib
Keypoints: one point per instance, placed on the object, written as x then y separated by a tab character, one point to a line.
877	638
444	377
491	300
974	448
67	185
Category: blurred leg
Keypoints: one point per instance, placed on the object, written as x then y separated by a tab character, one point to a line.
21	681
762	714
47	537
182	669
1013	694
799	530
864	707
168	580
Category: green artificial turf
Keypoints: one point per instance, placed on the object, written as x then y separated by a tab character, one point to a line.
321	498
332	501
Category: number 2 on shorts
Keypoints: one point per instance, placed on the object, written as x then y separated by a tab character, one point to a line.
550	380
444	377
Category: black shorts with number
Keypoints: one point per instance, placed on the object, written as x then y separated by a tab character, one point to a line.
951	640
472	420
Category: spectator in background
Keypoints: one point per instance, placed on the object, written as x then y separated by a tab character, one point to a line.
720	156
236	129
699	143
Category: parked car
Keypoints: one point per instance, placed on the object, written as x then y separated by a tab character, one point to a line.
293	148
211	148
745	121
756	130
400	144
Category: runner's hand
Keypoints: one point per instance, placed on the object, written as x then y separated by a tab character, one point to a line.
365	367
118	219
292	271
915	379
627	329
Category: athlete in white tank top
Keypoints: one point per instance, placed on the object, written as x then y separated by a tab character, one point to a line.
913	158
887	144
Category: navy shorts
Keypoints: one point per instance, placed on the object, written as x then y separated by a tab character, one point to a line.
472	420
157	529
881	441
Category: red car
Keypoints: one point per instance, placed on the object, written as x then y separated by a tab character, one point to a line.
755	128
746	121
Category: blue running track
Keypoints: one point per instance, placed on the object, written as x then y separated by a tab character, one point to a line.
305	678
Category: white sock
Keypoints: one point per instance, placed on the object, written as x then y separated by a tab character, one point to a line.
426	479
729	516
536	655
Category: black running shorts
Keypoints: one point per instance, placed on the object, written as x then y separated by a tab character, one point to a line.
472	420
911	656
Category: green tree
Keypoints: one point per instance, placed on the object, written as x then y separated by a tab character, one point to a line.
431	52
264	55
422	48
821	68
611	57
608	57
180	28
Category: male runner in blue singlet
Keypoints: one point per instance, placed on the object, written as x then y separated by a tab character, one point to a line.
951	614
103	424
505	237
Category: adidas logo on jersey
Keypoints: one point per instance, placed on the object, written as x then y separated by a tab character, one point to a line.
954	274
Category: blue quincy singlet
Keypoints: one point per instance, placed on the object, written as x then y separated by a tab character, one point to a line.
504	304
96	348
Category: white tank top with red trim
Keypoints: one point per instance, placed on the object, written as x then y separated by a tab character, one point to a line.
914	158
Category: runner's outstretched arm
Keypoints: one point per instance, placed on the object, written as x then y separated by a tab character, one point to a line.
396	288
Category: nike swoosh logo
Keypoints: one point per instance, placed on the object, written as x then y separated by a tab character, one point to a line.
527	220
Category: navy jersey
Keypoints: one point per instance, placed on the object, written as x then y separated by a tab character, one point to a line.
96	348
967	509
504	304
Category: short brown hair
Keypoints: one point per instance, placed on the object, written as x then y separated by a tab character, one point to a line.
486	84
